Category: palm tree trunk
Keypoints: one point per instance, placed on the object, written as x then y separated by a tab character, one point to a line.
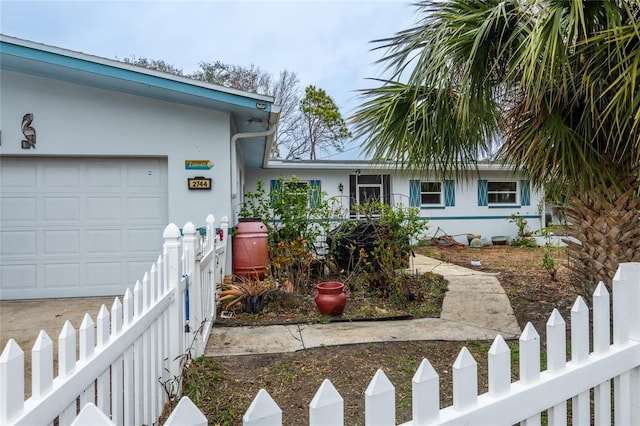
607	226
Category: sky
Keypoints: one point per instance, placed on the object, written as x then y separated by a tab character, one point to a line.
326	43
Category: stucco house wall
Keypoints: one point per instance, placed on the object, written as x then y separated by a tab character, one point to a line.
464	215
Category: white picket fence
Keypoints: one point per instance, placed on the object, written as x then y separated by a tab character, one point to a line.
131	358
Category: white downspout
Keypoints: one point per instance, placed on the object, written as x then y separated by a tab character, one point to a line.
234	156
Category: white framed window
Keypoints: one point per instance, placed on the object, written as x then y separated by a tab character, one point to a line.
431	193
502	192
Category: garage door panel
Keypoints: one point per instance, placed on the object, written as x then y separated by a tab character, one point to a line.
104	178
62	209
16	210
73	227
103	241
63	178
13	178
144	241
18	243
61	242
104	208
144	208
61	275
104	274
19	277
139	178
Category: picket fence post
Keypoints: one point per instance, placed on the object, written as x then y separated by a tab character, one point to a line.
425	394
626	328
579	354
90	415
175	332
41	365
11	381
263	411
380	401
326	407
186	413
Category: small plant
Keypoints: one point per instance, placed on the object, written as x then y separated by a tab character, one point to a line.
548	263
291	263
523	232
235	292
521	223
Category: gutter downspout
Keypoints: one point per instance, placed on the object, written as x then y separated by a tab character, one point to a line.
234	155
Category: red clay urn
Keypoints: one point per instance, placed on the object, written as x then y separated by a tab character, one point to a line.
330	298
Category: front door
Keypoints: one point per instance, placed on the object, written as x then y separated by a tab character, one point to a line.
367	189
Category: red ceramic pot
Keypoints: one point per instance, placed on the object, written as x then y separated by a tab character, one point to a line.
330	298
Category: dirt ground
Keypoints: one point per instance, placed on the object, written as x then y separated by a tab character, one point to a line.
223	388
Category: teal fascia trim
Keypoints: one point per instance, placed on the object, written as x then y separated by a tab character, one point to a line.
129	75
432	207
510	206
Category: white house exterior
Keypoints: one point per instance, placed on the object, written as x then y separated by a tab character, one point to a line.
480	203
95	157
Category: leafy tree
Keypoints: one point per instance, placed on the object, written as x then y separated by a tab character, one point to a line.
322	125
556	80
250	79
153	64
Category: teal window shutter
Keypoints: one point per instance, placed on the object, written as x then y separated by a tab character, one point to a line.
525	193
316	193
274	188
449	193
483	192
414	193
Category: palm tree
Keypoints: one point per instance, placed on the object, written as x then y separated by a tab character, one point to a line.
557	82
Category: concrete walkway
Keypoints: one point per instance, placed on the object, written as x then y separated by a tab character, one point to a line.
474	308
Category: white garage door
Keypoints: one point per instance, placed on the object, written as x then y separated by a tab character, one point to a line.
75	227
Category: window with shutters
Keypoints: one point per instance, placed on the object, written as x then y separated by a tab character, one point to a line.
502	192
431	193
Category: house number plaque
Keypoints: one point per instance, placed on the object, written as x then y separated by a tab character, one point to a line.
199	182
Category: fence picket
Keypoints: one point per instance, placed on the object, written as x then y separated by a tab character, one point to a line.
127	362
380	401
90	415
117	380
263	411
601	342
11	381
103	391
465	381
626	282
556	361
87	334
66	349
41	365
580	404
327	406
499	363
145	366
425	394
186	413
530	363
